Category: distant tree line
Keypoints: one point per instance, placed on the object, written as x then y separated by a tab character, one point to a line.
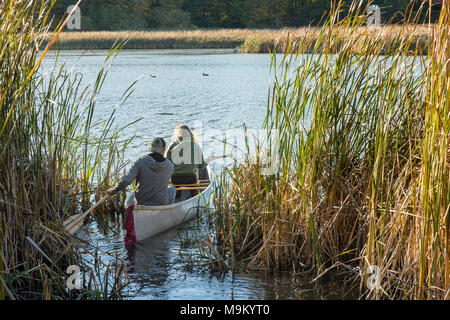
186	14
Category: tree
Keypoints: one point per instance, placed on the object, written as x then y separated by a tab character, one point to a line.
144	14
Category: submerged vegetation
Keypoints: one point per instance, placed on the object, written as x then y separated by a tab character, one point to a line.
363	187
54	161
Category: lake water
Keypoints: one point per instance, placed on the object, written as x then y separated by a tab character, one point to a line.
173	89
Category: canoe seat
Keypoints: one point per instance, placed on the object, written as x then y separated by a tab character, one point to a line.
201	185
186	191
190	187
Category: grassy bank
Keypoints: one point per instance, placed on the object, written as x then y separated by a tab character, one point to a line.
363	186
52	165
249	41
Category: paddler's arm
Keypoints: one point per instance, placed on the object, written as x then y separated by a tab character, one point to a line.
126	179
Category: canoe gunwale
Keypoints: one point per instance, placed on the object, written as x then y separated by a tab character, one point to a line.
173	205
151	220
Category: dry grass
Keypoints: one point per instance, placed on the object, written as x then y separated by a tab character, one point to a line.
364	175
250	41
52	165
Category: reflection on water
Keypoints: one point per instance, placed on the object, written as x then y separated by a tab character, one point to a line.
168	266
173	90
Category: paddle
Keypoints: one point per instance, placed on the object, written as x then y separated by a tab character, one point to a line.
73	223
212	158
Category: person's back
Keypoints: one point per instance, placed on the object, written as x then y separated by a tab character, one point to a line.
152	179
186	155
152	173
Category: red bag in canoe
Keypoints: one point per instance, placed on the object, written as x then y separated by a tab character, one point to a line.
130	238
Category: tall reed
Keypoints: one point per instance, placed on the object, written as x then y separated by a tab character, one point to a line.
51	153
363	185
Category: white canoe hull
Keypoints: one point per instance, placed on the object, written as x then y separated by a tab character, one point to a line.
151	220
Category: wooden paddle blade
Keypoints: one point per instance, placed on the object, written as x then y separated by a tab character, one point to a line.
71	220
74	223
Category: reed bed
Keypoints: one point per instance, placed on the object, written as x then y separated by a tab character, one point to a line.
363	186
249	41
55	160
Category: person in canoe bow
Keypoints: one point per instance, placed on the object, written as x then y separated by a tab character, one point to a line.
186	155
152	173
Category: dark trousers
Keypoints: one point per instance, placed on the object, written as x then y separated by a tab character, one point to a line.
185	180
203	174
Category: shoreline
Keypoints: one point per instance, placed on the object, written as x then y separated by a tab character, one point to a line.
152	51
239	40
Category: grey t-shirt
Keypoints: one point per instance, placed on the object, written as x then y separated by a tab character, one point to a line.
152	180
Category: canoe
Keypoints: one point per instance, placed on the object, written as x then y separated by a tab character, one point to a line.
151	220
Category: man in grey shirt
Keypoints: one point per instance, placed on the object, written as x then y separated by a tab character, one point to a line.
152	173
